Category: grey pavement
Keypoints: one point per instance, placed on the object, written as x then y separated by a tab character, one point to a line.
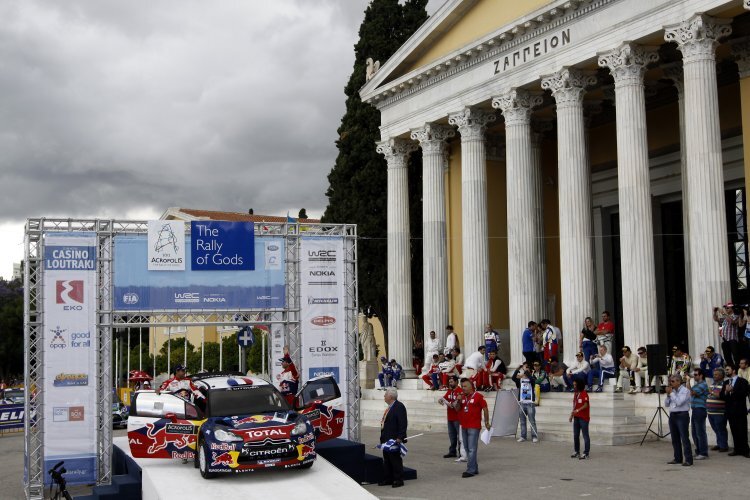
545	470
508	469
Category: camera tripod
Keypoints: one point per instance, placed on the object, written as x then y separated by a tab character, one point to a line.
657	413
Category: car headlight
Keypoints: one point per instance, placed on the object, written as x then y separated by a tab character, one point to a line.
226	437
300	428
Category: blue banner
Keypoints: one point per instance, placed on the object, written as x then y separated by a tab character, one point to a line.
11	417
138	289
222	246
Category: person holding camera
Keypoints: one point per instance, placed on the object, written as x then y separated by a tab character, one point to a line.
628	363
525	383
729	333
606	368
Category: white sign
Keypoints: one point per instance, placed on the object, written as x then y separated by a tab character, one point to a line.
278	341
166	245
323	315
70	353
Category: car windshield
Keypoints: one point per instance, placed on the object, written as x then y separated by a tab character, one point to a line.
15	396
244	400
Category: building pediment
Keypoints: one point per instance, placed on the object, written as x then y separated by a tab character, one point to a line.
462	33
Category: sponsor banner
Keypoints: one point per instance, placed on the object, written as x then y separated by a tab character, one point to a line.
166	245
222	246
70	352
277	340
138	289
323	315
11	417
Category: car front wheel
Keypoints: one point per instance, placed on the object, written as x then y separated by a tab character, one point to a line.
203	457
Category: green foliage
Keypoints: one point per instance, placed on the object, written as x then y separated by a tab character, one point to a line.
357	183
11	329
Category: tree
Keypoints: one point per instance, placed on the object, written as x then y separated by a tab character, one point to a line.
302	214
11	329
357	182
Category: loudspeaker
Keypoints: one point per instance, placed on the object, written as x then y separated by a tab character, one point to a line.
657	359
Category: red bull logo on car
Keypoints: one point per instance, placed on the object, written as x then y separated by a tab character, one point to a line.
160	439
227	459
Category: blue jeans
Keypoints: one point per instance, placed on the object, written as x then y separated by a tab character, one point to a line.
602	373
678	427
385	379
698	428
396	377
581	426
453	427
719	426
570	378
471	441
588	349
527	410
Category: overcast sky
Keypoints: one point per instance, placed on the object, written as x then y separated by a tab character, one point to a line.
111	108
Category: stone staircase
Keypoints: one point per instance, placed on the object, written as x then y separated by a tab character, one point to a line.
616	418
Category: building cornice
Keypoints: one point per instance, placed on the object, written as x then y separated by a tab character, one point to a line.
536	24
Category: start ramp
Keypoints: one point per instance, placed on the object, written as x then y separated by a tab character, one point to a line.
165	479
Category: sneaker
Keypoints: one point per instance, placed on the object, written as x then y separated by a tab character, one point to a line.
647	390
618	389
632	390
599	389
467	474
588	388
583	457
700	457
714	448
569	389
535	440
461	459
449	455
521	440
575	455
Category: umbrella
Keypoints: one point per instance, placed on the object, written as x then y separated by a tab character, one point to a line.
138	376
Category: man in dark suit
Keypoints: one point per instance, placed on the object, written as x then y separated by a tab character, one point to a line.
734	393
393	426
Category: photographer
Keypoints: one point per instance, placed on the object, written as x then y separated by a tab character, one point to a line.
526	383
710	360
729	321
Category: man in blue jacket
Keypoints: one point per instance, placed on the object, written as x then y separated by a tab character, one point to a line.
711	360
527	343
393	426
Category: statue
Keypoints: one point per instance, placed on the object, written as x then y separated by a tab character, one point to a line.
367	339
372	68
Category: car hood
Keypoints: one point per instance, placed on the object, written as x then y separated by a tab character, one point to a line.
259	420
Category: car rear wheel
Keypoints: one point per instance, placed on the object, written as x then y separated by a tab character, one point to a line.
203	458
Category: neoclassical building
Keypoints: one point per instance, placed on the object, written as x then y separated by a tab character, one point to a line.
578	155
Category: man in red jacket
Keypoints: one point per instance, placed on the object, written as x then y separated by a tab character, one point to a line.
473	407
450	400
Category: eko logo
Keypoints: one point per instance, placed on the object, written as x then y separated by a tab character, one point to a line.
323	320
69	291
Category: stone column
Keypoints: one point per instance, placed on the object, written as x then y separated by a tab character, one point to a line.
574	191
741	53
627	64
697	39
472	123
673	71
523	182
432	139
396	152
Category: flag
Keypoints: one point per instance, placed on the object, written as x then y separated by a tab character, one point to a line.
393	446
290	219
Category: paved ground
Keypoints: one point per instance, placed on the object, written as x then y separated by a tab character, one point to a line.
524	470
508	468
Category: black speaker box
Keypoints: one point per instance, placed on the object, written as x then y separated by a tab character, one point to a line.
657	359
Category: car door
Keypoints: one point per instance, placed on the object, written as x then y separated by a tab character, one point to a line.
163	426
319	399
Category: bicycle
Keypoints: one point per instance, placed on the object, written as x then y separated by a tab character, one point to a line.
56	473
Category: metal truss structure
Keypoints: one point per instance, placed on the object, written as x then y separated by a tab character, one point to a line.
109	319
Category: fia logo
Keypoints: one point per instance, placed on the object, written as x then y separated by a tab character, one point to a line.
69	292
130	298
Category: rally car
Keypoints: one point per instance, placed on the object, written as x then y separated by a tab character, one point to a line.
241	424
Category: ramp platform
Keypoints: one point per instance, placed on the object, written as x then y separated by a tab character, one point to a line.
164	479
